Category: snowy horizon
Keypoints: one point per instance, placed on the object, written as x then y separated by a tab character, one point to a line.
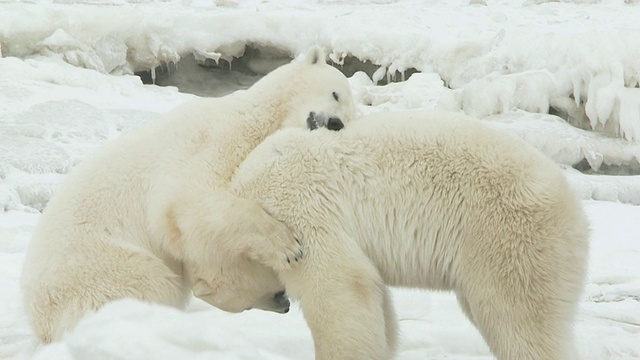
564	76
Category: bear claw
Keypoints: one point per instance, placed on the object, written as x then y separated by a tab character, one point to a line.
292	254
297	256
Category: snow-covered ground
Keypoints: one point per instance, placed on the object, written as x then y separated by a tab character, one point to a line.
531	67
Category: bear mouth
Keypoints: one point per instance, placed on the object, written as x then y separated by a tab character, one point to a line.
318	120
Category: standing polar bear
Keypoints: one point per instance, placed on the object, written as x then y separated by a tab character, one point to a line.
146	216
424	200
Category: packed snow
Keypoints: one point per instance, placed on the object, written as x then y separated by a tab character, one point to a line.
562	75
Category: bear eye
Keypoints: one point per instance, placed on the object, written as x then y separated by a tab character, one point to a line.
335	96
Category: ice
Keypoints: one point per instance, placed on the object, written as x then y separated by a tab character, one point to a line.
205	79
117	332
495	93
113	53
594	61
568	145
629	113
623	189
33	155
9	197
563	75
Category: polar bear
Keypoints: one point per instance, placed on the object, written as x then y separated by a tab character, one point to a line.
146	215
430	200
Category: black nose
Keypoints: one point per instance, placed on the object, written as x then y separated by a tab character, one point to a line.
334	123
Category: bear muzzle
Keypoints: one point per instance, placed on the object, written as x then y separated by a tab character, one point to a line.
318	120
281	302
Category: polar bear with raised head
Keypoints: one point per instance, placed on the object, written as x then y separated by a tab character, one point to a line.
424	200
147	215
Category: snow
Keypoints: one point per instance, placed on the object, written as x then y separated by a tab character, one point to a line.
562	75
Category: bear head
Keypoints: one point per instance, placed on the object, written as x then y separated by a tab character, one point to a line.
238	284
310	93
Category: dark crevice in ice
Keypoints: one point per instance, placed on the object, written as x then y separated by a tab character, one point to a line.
207	77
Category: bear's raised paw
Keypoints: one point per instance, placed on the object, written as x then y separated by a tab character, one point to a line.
287	254
275	246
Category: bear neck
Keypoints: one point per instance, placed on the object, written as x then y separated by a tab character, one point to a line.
274	97
268	115
260	120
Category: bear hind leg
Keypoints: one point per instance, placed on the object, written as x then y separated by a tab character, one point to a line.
126	273
522	328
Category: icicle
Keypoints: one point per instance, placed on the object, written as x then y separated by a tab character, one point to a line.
629	117
593	158
379	74
337	59
153	75
577	81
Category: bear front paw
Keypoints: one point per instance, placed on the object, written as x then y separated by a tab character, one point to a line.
274	245
298	253
291	254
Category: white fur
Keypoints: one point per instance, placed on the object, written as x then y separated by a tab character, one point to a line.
146	216
424	200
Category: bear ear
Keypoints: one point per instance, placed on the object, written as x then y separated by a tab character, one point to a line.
316	56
